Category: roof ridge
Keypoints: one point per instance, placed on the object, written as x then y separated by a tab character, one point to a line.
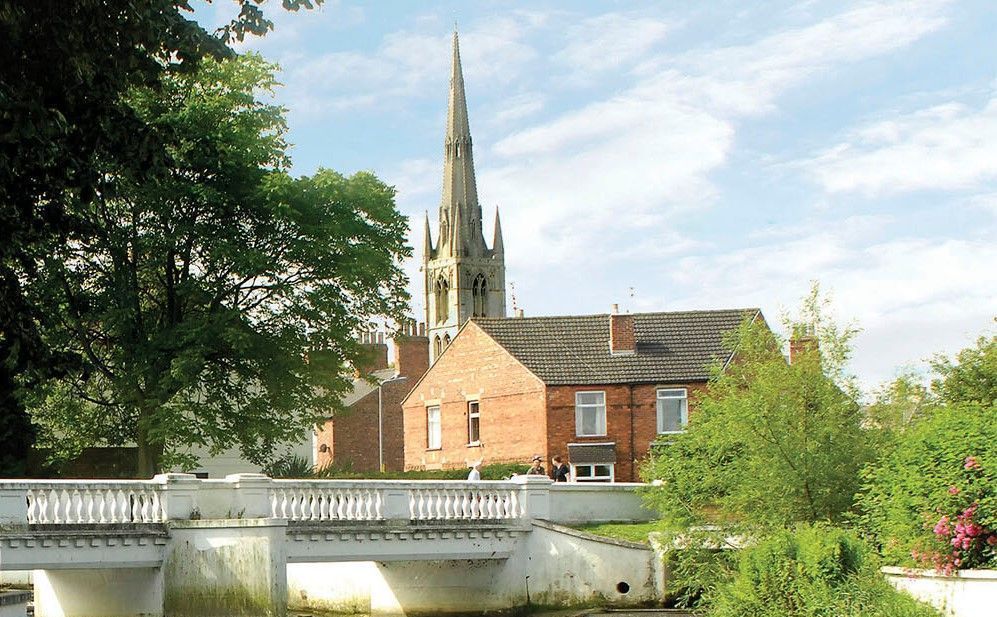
591	315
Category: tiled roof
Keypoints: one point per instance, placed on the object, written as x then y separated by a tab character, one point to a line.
673	347
362	387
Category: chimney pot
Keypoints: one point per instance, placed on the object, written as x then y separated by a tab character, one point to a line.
616	309
519	313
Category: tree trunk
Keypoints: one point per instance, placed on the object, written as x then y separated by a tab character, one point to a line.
150	455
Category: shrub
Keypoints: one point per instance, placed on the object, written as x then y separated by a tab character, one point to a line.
811	571
298	467
933	499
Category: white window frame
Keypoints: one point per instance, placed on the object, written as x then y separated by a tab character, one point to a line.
434	433
671	394
470	416
600	421
594	478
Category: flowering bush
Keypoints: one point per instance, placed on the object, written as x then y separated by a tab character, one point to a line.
960	540
932	501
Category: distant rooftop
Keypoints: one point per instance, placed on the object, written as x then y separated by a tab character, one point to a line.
673	347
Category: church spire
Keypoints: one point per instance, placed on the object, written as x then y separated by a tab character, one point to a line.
427	253
460	194
497	247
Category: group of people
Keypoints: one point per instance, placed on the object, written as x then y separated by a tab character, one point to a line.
559	470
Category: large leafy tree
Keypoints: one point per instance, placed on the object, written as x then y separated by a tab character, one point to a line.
216	305
771	443
64	67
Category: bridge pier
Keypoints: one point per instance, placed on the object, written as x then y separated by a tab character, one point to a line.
226	567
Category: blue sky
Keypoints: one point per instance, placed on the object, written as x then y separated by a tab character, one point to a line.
708	156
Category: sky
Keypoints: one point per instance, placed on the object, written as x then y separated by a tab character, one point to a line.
683	156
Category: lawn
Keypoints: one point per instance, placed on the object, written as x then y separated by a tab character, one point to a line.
631	532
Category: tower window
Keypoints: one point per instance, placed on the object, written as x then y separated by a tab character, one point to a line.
446	341
442	300
438	346
479	295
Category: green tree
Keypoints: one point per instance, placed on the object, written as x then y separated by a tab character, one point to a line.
972	378
216	305
64	67
770	443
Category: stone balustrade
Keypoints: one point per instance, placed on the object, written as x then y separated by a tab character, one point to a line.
184	497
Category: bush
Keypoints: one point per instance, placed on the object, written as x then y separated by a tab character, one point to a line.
299	468
812	571
932	501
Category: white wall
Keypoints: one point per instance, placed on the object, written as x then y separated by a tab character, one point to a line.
99	593
968	593
550	566
231	461
572	503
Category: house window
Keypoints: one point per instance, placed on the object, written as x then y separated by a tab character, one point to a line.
473	423
590	414
673	410
595	472
433	440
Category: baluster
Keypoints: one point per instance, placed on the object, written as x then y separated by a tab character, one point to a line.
422	504
115	502
55	507
378	504
101	506
88	504
465	506
136	507
66	503
158	507
125	509
42	506
340	505
274	513
369	497
313	505
144	510
77	501
32	506
438	502
283	503
323	504
411	505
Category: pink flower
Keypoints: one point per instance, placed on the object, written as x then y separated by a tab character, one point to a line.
953	490
971	463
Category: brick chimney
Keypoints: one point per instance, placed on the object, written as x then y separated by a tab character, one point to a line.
412	350
375	357
803	342
622	339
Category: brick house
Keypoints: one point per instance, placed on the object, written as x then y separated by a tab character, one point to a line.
368	435
597	388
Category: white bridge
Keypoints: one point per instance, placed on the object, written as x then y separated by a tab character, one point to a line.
190	542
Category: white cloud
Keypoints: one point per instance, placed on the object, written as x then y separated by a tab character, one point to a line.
948	146
640	158
609	41
890	288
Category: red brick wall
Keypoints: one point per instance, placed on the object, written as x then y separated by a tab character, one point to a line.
561	421
352	436
622	338
412	355
511	402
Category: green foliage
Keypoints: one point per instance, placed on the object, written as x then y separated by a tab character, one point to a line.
64	121
926	477
809	572
769	443
215	307
972	378
299	468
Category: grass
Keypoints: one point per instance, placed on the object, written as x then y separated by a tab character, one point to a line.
631	532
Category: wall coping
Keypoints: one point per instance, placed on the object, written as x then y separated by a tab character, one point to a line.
226	523
978	575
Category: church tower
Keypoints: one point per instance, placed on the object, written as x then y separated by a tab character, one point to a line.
463	277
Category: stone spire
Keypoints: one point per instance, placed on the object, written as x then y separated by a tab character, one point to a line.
464	278
427	250
460	194
497	247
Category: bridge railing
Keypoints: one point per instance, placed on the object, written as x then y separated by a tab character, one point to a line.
183	496
81	502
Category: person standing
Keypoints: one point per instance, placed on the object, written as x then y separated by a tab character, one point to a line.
475	474
559	470
536	469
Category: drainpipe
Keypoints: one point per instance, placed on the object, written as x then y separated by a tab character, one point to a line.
380	428
633	457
